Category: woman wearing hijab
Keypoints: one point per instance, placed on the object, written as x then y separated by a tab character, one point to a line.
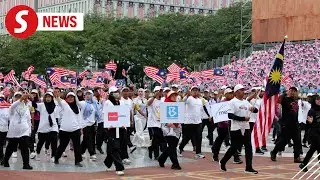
19	130
172	133
140	119
80	94
91	113
70	126
48	127
115	143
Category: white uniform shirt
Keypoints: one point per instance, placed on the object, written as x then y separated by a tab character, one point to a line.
20	120
44	125
70	121
207	105
89	121
239	108
4	119
194	108
256	103
154	114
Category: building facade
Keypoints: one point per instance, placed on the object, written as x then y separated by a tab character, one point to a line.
116	8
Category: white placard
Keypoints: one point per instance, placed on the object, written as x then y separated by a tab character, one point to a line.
303	111
220	112
172	112
116	116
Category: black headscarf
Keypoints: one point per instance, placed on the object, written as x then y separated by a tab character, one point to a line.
113	100
313	102
50	106
74	106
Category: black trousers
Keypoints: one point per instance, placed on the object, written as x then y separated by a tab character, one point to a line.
64	141
223	133
209	124
101	135
288	133
33	135
23	145
88	140
114	148
157	141
170	151
237	140
276	129
3	136
306	138
51	137
129	131
190	131
315	146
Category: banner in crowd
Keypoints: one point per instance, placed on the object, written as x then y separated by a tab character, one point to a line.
116	116
172	112
220	111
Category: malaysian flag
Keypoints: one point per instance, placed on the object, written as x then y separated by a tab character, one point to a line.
174	68
107	75
83	74
112	83
120	83
26	74
154	73
10	78
267	109
111	65
38	79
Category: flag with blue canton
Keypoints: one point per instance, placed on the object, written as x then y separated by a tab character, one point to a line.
218	72
183	74
120	82
40	77
73	81
64	79
162	73
100	79
49	71
274	79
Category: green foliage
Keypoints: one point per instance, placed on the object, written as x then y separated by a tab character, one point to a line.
186	40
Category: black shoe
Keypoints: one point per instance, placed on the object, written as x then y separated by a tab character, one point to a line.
215	158
237	160
264	149
297	160
258	151
156	157
27	167
304	145
222	166
100	150
150	152
78	165
273	156
302	166
290	144
56	161
210	143
176	167
161	164
251	171
5	164
273	139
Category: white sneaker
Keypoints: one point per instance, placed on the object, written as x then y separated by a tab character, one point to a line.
120	173
14	155
64	154
33	155
109	169
199	156
93	157
38	157
52	160
126	161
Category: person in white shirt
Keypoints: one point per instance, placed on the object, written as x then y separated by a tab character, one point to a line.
125	100
154	123
240	110
140	118
70	127
19	130
90	112
101	133
117	137
192	127
4	123
206	116
48	127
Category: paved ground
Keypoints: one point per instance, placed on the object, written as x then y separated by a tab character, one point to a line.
142	168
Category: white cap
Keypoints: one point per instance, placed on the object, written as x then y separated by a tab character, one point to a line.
112	89
228	90
49	93
157	88
194	87
166	89
171	92
17	93
2	95
89	91
215	92
223	87
206	90
174	86
35	91
70	94
309	94
124	88
238	87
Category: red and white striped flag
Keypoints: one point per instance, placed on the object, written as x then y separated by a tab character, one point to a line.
11	78
28	72
111	65
152	72
83	74
174	68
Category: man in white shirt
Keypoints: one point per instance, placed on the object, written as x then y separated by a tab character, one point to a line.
192	127
240	129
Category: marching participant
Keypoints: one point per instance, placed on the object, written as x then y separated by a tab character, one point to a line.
48	127
172	133
19	130
206	117
140	118
101	134
117	137
70	127
240	129
4	123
